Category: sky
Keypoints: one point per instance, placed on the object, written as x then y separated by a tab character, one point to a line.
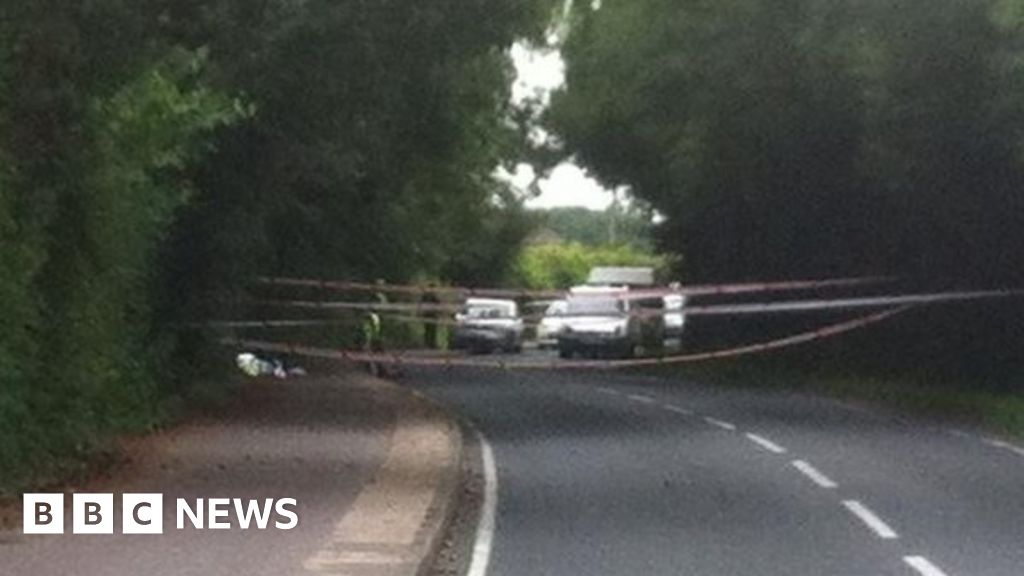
538	73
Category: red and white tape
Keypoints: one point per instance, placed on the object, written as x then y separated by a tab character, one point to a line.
748	308
446	360
462	291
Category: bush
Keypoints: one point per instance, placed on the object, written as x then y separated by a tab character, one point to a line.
559	266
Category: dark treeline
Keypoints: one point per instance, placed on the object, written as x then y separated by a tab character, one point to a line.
157	154
814	138
615	225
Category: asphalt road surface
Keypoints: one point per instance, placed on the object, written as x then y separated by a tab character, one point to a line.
619	474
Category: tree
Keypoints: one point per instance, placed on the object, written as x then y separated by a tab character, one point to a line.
807	138
561	266
100	121
156	155
630	225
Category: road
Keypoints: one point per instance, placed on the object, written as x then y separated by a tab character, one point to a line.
619	474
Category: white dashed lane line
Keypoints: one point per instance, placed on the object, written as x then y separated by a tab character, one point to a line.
678	409
923	566
720	423
641	398
813	473
871	520
920	564
766	443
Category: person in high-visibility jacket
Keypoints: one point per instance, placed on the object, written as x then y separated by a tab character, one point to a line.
372	338
373	332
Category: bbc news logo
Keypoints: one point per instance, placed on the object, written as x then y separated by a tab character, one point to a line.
144	514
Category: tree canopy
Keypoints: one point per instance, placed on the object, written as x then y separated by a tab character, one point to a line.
156	155
808	137
613	226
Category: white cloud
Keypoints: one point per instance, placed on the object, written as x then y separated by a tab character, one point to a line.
567	185
539	71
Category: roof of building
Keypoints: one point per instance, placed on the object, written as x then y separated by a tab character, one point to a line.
621	275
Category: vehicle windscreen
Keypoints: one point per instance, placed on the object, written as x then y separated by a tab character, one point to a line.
486	312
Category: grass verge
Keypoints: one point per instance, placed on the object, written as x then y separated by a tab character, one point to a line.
975	403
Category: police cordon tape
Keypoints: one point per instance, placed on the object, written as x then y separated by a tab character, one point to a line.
449	360
462	291
281	323
749	308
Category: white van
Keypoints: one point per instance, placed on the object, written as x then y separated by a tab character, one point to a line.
611	324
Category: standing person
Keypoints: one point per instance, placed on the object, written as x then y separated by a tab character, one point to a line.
381	294
372	340
373	329
430	316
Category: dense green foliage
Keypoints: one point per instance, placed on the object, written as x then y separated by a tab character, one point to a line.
157	154
560	266
615	225
99	121
810	138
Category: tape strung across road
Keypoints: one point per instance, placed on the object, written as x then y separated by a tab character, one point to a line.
709	310
694	290
847	303
450	360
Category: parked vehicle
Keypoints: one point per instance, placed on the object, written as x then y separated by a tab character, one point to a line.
611	324
487	325
675	318
552	324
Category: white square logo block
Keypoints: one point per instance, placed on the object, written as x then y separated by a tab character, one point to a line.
142	514
43	513
92	514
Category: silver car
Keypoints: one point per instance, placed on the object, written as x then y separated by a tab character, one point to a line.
487	325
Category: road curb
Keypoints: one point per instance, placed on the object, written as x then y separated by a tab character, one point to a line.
446	497
397	525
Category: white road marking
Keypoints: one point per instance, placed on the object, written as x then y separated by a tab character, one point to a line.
813	473
678	410
1005	445
766	443
995	443
923	566
604	390
720	423
880	528
481	556
641	398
